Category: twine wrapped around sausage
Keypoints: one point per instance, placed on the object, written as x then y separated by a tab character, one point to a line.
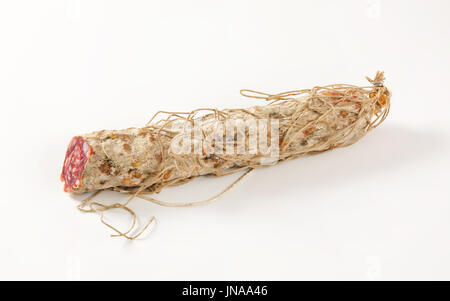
142	161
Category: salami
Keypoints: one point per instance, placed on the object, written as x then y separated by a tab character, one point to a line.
77	155
144	160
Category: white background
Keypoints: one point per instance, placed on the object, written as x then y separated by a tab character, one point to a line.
378	210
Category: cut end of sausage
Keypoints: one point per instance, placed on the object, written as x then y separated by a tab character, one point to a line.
77	155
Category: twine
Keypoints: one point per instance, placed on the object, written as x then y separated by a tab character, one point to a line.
375	105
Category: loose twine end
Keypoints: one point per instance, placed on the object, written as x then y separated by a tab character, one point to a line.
378	80
100	208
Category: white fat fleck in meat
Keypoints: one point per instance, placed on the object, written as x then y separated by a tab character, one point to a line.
85	147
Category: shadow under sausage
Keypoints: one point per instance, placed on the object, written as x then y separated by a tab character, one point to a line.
383	150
